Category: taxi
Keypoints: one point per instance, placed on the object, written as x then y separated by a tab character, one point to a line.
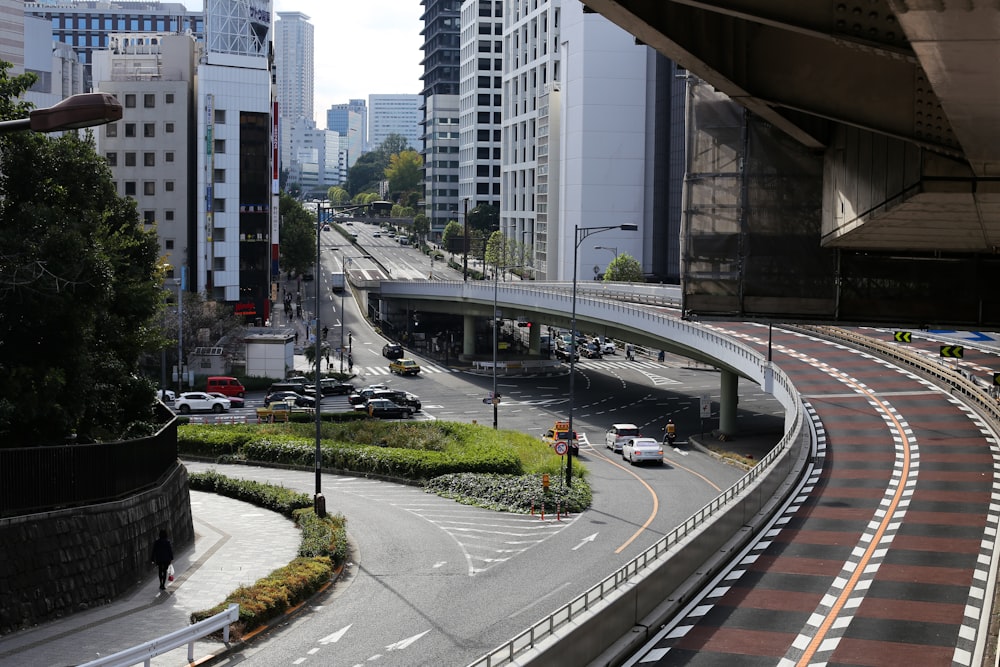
560	431
404	367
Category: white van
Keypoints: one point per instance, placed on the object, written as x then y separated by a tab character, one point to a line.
618	434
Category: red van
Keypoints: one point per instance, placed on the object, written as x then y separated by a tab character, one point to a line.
229	386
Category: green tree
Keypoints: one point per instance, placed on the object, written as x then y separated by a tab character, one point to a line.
624	268
366	173
404	172
338	195
80	290
452	230
393	144
484	218
297	235
496	251
421	225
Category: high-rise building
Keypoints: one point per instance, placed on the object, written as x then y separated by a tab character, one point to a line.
316	159
86	25
235	181
149	149
441	63
293	62
351	122
479	105
394	114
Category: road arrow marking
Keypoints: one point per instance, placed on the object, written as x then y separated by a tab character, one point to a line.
440	563
589	538
335	637
406	642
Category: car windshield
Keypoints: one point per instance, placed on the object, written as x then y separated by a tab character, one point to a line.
625	432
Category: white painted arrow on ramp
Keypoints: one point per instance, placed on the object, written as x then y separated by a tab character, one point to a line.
336	636
589	538
406	642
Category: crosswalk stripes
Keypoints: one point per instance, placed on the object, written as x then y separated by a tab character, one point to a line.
384	370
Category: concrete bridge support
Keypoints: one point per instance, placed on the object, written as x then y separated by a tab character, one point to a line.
469	335
729	386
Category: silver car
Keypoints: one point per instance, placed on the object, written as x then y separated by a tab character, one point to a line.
637	450
199	401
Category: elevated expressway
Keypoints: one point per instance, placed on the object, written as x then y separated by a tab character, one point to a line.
798	483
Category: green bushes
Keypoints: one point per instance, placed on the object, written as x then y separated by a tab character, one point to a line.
510	493
323	547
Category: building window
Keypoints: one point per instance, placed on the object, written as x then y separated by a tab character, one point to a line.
129	188
149	217
169	216
220	116
149	101
169	98
130	101
112	159
219	176
170	128
219	205
220	146
111	130
129	159
219	264
149	159
169	157
168	244
149	130
130	129
149	188
169	186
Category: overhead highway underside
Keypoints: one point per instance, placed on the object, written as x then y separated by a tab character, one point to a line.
843	157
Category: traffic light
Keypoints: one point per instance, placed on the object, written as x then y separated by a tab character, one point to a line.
524	324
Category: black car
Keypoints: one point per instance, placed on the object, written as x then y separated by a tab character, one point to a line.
294	385
392	351
403	398
383	408
300	400
331	387
363	396
590	351
562	354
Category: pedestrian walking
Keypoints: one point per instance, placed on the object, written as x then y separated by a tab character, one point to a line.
163	556
296	336
350	362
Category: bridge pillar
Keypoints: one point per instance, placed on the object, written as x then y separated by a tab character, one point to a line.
534	338
469	335
729	382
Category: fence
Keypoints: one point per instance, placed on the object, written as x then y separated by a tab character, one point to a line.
35	479
145	652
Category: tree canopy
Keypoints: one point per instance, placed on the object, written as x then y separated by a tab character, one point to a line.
404	172
297	235
79	290
624	268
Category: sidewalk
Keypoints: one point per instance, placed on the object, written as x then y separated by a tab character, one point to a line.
227	553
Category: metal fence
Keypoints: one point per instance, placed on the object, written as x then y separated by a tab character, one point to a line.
38	479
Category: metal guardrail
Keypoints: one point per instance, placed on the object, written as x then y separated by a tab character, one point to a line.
145	652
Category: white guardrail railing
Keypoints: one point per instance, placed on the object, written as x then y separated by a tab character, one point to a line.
144	653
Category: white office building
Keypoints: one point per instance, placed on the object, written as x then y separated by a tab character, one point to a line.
577	107
317	161
394	114
293	63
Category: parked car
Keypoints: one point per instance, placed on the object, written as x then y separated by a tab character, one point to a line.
392	351
616	436
234	401
199	401
290	396
404	367
383	408
637	450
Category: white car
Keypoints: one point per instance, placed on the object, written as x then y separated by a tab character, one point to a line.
167	395
608	346
616	436
199	401
637	450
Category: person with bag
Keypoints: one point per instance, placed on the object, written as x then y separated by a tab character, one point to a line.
163	556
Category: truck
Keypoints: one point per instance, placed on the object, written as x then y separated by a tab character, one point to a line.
337	281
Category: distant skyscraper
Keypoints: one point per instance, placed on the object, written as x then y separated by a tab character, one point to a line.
293	61
394	114
479	120
351	122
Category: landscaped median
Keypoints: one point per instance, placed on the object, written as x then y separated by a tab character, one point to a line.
501	470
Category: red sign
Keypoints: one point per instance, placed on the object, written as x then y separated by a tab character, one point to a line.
246	308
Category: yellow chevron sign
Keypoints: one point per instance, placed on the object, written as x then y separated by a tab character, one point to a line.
952	351
901	336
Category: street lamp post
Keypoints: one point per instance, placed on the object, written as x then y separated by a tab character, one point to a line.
72	113
319	502
579	234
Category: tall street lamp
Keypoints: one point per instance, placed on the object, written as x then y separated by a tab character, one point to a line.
579	234
319	502
72	113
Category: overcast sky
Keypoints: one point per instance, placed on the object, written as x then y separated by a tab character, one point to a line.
362	47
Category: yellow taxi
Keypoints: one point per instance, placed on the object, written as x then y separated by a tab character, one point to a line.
404	367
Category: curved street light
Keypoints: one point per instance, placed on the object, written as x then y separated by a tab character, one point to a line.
72	113
580	233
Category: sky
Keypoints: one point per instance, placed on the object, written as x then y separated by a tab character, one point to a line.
362	47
